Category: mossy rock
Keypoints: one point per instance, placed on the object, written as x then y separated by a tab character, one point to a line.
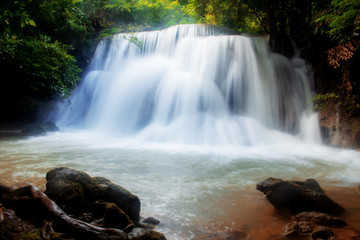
114	217
77	193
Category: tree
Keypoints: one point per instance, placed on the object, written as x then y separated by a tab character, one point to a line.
339	20
38	67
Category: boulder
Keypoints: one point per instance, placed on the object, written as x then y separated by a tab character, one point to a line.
316	225
298	196
32	204
114	217
320	219
297	230
151	221
322	232
77	193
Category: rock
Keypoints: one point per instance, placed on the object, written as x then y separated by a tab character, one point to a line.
40	128
323	233
305	230
76	192
114	217
320	219
124	199
297	229
315	225
151	220
31	203
298	196
149	235
338	127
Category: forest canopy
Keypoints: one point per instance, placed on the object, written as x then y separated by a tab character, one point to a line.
45	44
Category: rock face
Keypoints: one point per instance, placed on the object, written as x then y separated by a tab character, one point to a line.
40	128
338	128
298	196
77	193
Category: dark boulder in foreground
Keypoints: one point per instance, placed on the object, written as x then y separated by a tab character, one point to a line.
77	193
32	204
75	206
298	196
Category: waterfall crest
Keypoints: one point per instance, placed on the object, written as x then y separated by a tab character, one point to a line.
194	84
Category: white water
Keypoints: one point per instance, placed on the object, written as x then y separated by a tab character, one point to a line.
194	190
189	122
193	84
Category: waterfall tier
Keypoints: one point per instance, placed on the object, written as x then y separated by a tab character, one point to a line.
193	84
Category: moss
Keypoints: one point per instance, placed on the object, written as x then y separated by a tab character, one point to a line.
33	235
115	217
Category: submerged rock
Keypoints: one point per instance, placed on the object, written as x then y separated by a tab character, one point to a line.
77	193
149	235
320	219
315	225
298	196
151	220
322	232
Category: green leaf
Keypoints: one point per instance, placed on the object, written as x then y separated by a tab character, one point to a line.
32	22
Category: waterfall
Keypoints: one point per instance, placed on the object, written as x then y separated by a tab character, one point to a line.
193	84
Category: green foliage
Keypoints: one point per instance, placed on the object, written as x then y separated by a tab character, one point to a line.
321	100
348	102
14	16
41	68
340	19
256	16
153	14
133	39
238	15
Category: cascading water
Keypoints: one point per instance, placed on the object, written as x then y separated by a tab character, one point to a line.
193	117
193	84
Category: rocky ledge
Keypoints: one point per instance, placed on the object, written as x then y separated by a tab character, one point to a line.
338	127
74	206
313	210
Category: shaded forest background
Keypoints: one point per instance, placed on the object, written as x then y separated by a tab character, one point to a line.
46	44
